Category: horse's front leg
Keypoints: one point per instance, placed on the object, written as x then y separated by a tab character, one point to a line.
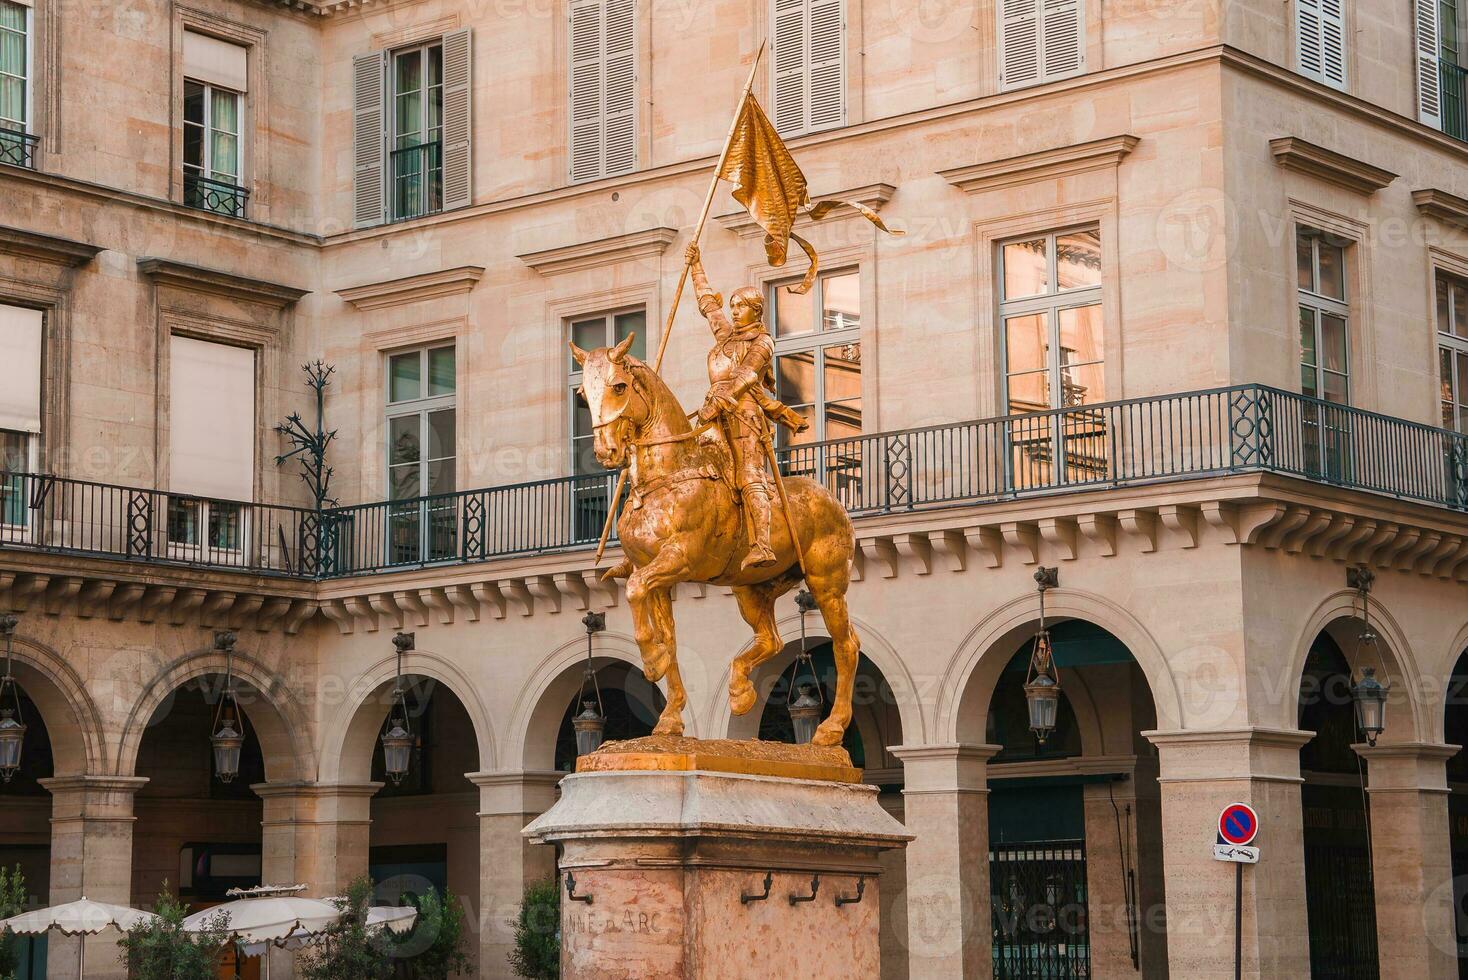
649	593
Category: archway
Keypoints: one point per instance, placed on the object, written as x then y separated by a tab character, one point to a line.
1455	732
25	824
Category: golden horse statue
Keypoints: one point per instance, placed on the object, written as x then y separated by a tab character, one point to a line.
683	524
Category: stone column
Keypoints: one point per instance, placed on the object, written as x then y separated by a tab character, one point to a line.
1201	773
508	800
315	834
91	857
946	808
1412	862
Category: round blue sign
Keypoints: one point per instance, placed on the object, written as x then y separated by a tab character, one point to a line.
1238	824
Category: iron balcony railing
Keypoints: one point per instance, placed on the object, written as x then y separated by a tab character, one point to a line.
1453	83
1246	428
218	196
17	148
417	181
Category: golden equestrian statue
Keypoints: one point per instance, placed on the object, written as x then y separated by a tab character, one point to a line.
701	507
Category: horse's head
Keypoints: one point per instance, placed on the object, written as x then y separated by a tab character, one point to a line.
619	407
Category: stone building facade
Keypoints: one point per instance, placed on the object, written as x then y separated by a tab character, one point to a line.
1181	311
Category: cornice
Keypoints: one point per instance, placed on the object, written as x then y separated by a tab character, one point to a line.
873	196
47	248
603	251
167	272
1296	154
413	289
1447	208
1062	161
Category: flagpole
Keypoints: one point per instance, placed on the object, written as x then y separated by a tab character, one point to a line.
657	364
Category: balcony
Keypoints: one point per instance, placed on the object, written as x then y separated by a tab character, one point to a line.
215	195
417	181
17	148
1453	81
1241	429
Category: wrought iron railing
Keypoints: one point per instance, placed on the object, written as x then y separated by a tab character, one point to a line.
1038	903
417	181
1125	443
218	196
1453	84
17	148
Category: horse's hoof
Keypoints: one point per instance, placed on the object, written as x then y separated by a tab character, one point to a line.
828	734
742	697
674	727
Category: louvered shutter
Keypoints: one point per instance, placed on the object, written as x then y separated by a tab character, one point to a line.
603	88
1062	37
1019	42
827	87
1320	40
369	77
1429	82
788	62
586	71
458	120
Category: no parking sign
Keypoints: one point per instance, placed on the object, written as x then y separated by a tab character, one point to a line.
1238	825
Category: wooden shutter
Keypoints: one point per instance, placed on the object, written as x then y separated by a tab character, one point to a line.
827	87
1019	42
603	88
369	78
1062	37
1429	82
458	120
808	64
788	62
1320	40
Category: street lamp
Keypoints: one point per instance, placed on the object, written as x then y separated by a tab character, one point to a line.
1369	694
591	723
1042	684
397	731
12	722
806	709
227	739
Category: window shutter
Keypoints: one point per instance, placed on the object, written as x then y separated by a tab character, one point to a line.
827	60
1320	40
789	60
20	350
1062	37
619	140
369	76
586	87
1429	81
458	120
1019	42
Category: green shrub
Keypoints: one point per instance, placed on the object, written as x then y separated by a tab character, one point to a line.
435	946
349	951
161	950
12	902
537	952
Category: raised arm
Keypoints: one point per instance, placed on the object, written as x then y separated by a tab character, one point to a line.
710	303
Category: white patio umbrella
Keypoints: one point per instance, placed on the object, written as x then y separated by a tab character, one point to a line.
267	915
79	918
392	918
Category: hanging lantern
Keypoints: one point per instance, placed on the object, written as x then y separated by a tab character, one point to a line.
1042	685
397	733
806	709
1368	696
591	723
805	715
12	721
227	736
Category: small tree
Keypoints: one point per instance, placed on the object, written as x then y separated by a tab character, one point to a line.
537	952
439	934
12	902
349	951
159	949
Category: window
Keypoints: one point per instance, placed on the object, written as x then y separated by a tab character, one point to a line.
1452	350
1040	41
1053	353
1320	41
21	332
421	439
603	88
412	117
1441	77
591	490
808	65
17	147
213	135
211	449
1324	331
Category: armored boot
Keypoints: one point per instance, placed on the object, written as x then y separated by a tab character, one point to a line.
757	522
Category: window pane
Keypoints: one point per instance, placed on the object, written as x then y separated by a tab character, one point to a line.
1335	387
1025	272
796	378
224	157
1025	343
12	17
1445	375
1078	259
843	420
12	100
1080	334
583	457
1332	271
13	457
403	377
794	313
1304	262
193	146
1308	385
408	71
435	65
1444	307
441	476
225	109
1460	308
1029	392
441	371
634	323
183	521
1447	413
843	372
1083	384
402	440
193	103
1307	335
841	297
1462	378
441	434
581	419
807	412
1333	340
403	482
224	526
588	335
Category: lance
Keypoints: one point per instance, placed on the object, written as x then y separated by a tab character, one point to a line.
657	364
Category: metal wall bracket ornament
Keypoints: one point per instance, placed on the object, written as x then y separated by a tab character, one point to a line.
571	890
815	886
310	445
861	889
745	897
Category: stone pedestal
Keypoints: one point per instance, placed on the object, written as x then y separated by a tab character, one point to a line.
661	859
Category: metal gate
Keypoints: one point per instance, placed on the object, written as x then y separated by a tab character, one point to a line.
1341	913
1038	897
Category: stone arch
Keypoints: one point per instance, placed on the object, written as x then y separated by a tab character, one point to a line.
554	681
58	692
1337	615
347	745
279	721
973	671
1457	650
874	646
